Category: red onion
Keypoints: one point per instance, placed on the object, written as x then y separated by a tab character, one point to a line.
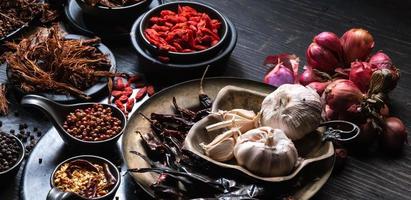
357	45
279	75
321	58
385	111
381	60
394	136
360	75
329	41
319	86
368	133
289	61
342	94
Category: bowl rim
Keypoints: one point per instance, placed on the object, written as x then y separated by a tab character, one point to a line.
119	7
87	157
157	8
115	137
21	157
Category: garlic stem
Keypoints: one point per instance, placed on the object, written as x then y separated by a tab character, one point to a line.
224	124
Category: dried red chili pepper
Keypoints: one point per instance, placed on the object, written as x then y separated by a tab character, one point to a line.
130	104
141	94
150	90
119	104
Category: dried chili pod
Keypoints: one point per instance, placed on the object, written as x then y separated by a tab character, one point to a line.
130	104
141	94
185	113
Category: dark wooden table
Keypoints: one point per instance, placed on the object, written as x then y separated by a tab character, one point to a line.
272	27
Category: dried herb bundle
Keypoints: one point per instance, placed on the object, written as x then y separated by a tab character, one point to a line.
16	13
111	3
48	62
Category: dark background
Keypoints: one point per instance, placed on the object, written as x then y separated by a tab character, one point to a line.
273	27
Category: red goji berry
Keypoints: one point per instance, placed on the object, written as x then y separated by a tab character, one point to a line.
141	93
116	93
123	98
130	104
150	90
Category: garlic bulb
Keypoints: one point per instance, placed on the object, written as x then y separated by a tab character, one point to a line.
293	108
237	118
221	148
266	152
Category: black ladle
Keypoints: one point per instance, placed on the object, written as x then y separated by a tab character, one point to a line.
57	114
340	131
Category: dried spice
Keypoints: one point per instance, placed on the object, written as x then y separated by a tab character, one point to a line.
10	151
14	14
92	124
4	104
112	3
89	180
48	62
186	30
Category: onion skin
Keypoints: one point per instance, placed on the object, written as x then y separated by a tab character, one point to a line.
279	75
289	61
381	60
360	75
394	135
357	44
385	111
341	94
319	86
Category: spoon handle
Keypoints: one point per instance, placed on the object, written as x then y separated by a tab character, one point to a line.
56	194
52	109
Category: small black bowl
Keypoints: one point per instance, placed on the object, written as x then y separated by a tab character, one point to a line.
150	64
11	172
57	113
114	14
56	194
190	57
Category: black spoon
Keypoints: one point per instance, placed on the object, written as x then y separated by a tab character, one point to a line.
58	112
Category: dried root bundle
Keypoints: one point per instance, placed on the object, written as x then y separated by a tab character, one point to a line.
48	62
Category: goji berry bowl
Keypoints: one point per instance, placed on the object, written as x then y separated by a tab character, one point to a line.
183	32
88	126
114	12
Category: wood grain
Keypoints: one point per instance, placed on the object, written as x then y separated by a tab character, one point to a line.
272	27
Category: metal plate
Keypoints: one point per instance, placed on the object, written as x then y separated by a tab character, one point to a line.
187	96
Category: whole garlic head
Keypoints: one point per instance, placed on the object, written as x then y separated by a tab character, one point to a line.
293	108
266	152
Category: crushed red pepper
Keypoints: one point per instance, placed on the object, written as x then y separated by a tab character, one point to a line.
185	31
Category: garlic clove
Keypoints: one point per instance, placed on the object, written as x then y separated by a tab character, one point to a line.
221	148
237	118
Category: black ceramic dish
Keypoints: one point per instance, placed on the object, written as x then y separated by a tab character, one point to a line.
78	21
150	63
94	91
11	172
190	57
58	112
56	194
116	13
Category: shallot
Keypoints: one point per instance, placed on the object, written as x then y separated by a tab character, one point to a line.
360	75
357	44
394	135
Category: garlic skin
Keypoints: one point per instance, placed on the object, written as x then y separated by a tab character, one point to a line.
266	152
293	108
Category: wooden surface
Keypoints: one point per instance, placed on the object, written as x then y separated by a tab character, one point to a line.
271	27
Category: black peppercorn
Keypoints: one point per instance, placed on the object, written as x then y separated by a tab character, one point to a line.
9	151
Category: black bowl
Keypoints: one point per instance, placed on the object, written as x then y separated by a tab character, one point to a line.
114	14
56	194
57	114
149	62
190	57
11	172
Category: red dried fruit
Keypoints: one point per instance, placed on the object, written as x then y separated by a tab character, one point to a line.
130	104
141	94
116	93
119	104
150	90
123	99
